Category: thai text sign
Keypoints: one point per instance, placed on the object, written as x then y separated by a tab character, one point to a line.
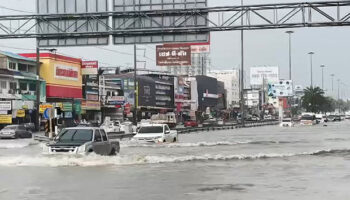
5	105
5	119
66	72
172	55
89	67
259	75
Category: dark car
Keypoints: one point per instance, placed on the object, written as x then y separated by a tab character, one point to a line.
191	123
15	131
337	118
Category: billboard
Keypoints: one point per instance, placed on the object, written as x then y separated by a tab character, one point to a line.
283	88
260	74
89	67
157	20
173	55
72	24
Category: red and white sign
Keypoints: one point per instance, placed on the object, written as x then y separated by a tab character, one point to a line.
200	48
127	109
89	67
66	72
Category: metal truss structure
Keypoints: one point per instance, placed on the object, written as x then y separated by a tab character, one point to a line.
190	21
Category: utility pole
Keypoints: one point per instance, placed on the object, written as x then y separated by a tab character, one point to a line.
338	95
322	68
135	84
290	53
311	54
242	69
37	114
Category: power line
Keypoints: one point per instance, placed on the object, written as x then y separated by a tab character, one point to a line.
12	9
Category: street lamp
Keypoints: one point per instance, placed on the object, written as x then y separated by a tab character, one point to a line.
290	53
311	54
322	68
332	75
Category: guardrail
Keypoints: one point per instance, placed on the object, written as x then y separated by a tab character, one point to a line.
226	127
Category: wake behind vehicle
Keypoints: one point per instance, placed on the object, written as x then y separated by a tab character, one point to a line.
156	133
15	131
287	122
82	141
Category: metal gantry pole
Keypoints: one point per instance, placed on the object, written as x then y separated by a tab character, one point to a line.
242	70
332	75
290	53
311	54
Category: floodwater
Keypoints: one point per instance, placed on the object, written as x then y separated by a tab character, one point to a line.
256	163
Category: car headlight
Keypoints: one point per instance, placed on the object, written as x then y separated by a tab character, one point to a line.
82	149
156	138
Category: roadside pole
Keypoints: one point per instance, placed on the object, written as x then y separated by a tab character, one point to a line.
135	83
37	89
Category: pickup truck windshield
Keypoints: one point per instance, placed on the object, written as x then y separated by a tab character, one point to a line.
151	129
76	135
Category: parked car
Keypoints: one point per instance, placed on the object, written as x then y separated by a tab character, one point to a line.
337	118
82	140
287	122
15	131
191	123
156	133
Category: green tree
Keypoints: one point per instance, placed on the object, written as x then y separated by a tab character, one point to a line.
329	105
313	99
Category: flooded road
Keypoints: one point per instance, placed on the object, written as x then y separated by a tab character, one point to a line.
256	163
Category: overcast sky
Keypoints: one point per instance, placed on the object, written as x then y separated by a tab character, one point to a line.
263	47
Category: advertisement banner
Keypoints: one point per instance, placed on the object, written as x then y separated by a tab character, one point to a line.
21	113
173	55
283	88
5	119
200	48
89	67
116	100
5	105
91	105
260	74
66	72
43	107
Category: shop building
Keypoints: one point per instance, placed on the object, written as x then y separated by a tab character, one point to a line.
63	83
18	81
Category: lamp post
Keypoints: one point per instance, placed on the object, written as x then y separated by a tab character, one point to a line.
332	75
322	68
311	54
290	53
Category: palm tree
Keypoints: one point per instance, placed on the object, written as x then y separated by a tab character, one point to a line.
313	99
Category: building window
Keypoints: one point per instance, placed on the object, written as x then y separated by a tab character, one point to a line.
22	67
32	87
23	86
12	65
3	85
13	86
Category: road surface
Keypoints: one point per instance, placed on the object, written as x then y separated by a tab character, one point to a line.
256	163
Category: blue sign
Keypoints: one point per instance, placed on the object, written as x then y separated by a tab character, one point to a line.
47	113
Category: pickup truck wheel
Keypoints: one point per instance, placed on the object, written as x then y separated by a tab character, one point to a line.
113	153
175	139
164	141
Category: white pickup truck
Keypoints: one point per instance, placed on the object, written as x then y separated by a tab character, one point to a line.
82	140
156	133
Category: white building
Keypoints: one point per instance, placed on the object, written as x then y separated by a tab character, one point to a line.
231	82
